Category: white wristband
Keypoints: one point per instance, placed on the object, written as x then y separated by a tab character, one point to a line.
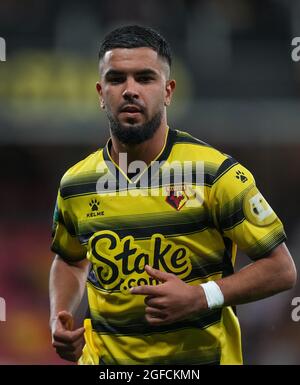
213	294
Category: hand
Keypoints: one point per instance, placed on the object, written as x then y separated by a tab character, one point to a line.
171	301
67	342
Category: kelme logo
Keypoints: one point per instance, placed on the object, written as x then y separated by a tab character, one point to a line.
94	209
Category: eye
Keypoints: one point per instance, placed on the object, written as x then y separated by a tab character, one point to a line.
116	80
145	79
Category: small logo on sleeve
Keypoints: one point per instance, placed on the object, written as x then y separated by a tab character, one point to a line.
241	176
257	210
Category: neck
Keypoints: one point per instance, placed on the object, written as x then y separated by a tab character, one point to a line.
146	151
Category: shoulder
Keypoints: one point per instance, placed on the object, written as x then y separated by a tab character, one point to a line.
197	148
83	170
188	147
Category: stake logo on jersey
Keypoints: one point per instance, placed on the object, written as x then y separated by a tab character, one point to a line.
257	210
119	264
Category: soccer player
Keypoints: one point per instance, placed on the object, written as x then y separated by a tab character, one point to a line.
151	224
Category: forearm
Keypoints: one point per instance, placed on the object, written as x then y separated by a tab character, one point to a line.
250	284
66	286
261	279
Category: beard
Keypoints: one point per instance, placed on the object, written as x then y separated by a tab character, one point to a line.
134	133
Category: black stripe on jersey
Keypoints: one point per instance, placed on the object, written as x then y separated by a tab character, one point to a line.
211	357
225	166
172	135
83	177
147	232
84	184
64	254
189	139
65	222
198	272
58	218
140	327
81	185
227	258
203	271
268	243
76	190
229	222
232	213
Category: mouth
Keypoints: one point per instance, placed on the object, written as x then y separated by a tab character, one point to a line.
131	109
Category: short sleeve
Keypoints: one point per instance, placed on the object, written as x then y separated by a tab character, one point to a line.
242	214
65	242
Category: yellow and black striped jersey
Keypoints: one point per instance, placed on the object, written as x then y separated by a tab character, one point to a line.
189	226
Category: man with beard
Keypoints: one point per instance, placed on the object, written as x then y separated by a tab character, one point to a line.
157	257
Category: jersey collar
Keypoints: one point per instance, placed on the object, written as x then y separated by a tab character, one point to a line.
161	157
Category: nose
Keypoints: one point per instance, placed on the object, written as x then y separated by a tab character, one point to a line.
130	92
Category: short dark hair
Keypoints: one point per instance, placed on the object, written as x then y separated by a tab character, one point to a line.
136	36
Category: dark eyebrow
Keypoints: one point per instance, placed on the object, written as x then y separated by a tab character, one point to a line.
110	73
143	72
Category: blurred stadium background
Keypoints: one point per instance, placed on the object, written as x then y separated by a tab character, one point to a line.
238	89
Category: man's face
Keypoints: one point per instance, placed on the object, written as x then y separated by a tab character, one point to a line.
134	91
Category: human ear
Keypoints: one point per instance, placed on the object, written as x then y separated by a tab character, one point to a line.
99	91
170	87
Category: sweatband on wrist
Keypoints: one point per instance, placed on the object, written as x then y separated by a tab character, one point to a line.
213	294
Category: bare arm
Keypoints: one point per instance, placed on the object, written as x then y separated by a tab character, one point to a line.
261	279
66	288
66	285
174	300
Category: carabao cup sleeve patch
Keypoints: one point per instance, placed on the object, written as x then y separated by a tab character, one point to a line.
256	209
